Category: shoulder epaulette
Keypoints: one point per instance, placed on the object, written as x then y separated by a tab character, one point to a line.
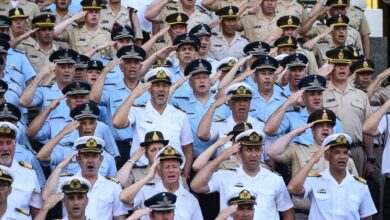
109	151
220	120
132	9
360	179
22	211
25	164
139	105
359	8
47	10
296	142
113	179
243	36
66	174
57	117
258	118
313	174
284	95
231	169
178	108
150	184
171	8
182	97
47	86
106	29
303	4
201	9
140	167
19	51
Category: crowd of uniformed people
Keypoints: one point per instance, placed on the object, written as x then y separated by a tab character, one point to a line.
191	110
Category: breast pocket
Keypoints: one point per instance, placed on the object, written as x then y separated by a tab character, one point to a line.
323	200
357	104
146	126
354	202
81	42
266	199
23	194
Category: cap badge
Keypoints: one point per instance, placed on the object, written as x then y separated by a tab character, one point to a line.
155	137
91	143
245	195
161	74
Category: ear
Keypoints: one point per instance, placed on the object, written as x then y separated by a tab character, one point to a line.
327	154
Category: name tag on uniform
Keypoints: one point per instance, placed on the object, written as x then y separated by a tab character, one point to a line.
119	100
34	56
149	122
81	39
238	185
330	100
2	9
49	100
190	113
217	45
105	22
257	26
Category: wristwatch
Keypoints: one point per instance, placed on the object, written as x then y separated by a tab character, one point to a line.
371	159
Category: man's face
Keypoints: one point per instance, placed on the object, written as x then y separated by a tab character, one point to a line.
159	92
200	83
89	163
80	75
75	204
45	34
265	79
186	53
92	17
363	79
92	76
290	31
169	171
73	100
229	25
152	150
268	7
340	72
244	212
177	29
339	35
286	50
188	3
62	4
123	42
312	99
295	74
5	190
17	25
7	150
87	127
131	68
204	44
162	215
240	106
337	157
64	73
321	131
251	157
336	10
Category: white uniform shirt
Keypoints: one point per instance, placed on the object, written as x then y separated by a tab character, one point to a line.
350	199
272	194
187	206
384	126
173	123
26	190
103	200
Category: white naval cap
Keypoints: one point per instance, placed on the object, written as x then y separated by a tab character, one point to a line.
239	90
339	139
159	74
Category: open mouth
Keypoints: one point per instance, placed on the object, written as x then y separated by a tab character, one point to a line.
325	134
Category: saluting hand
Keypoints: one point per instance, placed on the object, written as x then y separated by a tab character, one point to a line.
69	128
67	160
52	200
293	99
221	100
231	150
301	129
317	156
153	168
137	214
140	89
56	102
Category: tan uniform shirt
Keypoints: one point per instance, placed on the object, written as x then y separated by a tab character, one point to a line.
380	96
83	41
60	19
22	46
358	20
37	57
256	27
218	4
220	48
297	156
200	15
351	107
160	45
291	7
29	8
353	36
108	18
312	65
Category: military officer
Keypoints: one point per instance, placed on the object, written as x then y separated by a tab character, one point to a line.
61	11
218	4
90	35
132	57
293	8
286	45
296	64
6	179
260	24
289	25
26	192
116	14
42	96
18	28
80	73
244	201
162	205
39	53
159	10
270	188
228	42
290	116
173	159
351	105
30	8
103	198
338	37
363	69
330	189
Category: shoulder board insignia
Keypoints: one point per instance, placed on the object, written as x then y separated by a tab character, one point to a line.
201	9
284	95
140	167
19	51
139	105
118	100
258	118
360	179
303	4
113	179
296	142
358	8
293	110
313	174
25	164
47	10
47	86
66	174
231	169
58	117
182	97
220	120
106	29
132	9
178	108
150	184
22	211
171	8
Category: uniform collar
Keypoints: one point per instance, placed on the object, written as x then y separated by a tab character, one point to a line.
160	188
109	10
150	108
331	86
242	173
326	175
38	48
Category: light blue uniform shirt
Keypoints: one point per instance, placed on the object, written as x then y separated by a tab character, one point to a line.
17	62
263	109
